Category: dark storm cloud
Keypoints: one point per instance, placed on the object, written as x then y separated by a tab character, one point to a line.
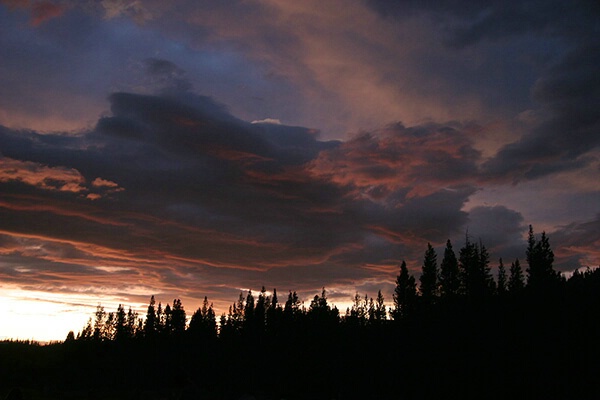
567	91
551	43
174	189
569	127
469	22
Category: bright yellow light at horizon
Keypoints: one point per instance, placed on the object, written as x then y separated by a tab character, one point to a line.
43	316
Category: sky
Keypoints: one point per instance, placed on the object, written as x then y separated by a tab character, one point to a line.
203	148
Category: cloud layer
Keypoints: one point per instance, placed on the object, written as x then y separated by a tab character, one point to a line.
129	165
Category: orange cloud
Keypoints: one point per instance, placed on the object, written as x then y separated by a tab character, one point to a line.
421	160
42	176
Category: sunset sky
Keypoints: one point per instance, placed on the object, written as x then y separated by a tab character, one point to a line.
201	148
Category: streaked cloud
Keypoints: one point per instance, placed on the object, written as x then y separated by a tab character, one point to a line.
145	146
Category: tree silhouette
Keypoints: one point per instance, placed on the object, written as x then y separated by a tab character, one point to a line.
167	326
120	329
358	313
178	318
377	310
449	273
203	323
160	319
501	286
516	280
320	313
260	311
540	257
405	294
100	324
275	315
151	321
476	279
429	276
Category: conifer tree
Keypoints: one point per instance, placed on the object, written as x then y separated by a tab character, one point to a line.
203	323
292	310
120	324
151	322
359	312
274	314
476	279
160	319
405	294
516	280
100	323
178	318
449	273
429	275
87	333
260	311
167	327
501	285
236	313
540	257
133	322
378	313
249	317
320	312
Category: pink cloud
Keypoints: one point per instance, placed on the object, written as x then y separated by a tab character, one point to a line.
42	176
421	160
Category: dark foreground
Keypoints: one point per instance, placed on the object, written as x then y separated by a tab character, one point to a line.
533	349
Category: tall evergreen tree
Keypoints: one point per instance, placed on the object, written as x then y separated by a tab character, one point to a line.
167	327
540	257
120	324
203	323
160	319
274	314
449	273
320	312
378	311
292	310
178	318
516	280
249	316
358	314
501	286
429	276
133	323
405	294
476	279
260	311
100	323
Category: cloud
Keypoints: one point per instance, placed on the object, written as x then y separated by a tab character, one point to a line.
577	244
190	193
267	121
567	133
418	160
469	23
133	9
45	177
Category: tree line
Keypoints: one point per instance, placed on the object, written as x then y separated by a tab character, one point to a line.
455	331
464	279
